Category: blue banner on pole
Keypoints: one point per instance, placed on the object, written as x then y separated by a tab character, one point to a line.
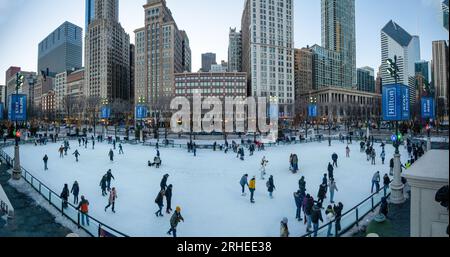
106	112
312	110
428	108
141	112
17	110
396	103
2	110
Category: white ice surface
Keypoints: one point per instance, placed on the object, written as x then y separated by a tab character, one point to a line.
206	187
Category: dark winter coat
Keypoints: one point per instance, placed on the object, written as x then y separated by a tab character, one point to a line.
103	183
75	189
302	185
330	170
322	191
65	193
270	185
176	218
386	181
109	175
298	197
163	183
309	206
338	210
316	215
384	207
159	199
391	163
168	193
45	159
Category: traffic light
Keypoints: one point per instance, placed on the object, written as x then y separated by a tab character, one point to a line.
19	80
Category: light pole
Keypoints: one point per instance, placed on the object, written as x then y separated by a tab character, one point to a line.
105	103
397	196
17	172
141	101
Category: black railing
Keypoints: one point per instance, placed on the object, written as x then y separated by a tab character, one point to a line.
352	217
95	227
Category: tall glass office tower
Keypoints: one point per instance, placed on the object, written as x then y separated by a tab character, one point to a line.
338	34
90	13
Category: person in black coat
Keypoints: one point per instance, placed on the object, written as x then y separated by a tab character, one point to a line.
65	195
302	185
160	202
75	191
335	157
168	194
386	183
321	195
163	183
384	209
316	216
109	176
270	186
338	214
391	166
298	197
330	171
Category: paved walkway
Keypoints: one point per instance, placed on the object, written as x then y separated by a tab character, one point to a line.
30	219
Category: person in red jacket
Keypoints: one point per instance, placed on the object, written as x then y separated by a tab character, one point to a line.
83	207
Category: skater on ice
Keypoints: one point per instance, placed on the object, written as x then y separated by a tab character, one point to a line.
333	188
163	183
75	190
45	159
264	163
383	157
335	157
112	200
252	187
111	155
120	149
77	154
376	182
174	221
169	199
103	185
160	202
338	214
243	183
270	186
302	185
329	214
65	195
84	210
109	176
330	170
284	229
321	194
316	217
298	197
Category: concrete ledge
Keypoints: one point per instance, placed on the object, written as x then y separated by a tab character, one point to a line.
5	204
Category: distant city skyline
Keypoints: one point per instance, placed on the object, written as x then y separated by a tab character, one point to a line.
22	35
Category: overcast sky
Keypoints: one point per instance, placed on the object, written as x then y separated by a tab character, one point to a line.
24	23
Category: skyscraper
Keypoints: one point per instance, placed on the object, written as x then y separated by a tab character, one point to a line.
235	51
161	51
208	59
395	41
338	34
268	51
107	54
366	79
61	50
445	13
422	68
90	13
441	76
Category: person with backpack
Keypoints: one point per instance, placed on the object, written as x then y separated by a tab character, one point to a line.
112	199
316	217
75	191
284	229
174	221
298	197
270	186
65	196
45	159
84	210
159	201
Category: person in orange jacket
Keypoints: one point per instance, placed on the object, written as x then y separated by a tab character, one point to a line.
83	207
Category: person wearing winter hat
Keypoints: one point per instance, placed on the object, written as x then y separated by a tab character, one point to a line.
176	218
284	230
329	213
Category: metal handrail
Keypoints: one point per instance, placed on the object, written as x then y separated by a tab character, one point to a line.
9	161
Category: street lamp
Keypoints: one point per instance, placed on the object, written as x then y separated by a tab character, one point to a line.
141	101
105	102
17	172
397	186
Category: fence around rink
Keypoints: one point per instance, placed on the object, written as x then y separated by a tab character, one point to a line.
96	228
353	216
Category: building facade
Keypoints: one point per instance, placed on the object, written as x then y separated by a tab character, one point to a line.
445	13
234	51
10	72
422	68
27	88
327	68
395	41
107	54
303	66
161	51
441	77
379	82
366	79
339	35
132	70
61	50
268	51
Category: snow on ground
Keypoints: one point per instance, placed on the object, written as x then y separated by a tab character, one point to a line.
206	187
